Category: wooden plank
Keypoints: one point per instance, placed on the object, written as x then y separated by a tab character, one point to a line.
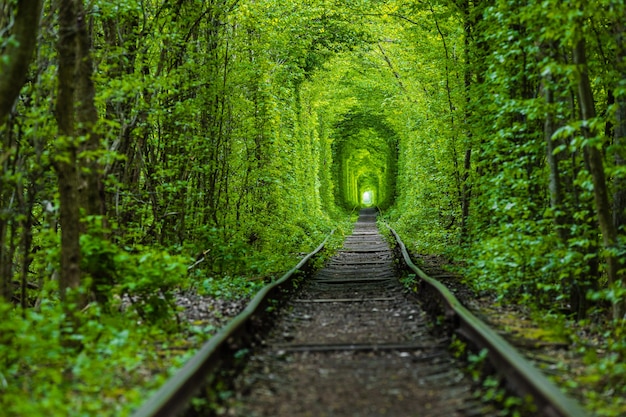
355	347
345	300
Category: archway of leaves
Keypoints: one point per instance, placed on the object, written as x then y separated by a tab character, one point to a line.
234	131
365	157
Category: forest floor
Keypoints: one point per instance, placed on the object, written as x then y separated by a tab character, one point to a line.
208	311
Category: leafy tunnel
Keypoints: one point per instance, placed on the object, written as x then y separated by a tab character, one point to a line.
208	144
365	157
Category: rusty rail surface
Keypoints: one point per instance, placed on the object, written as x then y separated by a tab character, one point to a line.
174	396
520	375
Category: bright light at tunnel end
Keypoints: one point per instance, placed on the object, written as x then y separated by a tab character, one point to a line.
366	198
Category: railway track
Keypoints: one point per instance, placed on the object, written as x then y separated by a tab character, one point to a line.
350	342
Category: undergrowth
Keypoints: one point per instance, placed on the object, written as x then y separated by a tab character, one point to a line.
118	360
120	347
599	375
514	269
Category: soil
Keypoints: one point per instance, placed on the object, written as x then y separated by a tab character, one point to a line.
208	311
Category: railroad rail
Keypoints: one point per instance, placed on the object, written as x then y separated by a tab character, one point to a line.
349	341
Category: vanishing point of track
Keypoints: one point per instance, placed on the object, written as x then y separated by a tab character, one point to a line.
349	341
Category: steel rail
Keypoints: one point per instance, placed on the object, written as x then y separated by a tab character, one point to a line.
520	375
176	393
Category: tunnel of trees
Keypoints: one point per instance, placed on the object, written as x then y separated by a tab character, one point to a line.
150	147
365	159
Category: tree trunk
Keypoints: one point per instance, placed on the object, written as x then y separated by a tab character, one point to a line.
66	161
91	185
596	169
619	132
466	193
561	212
556	192
13	73
619	196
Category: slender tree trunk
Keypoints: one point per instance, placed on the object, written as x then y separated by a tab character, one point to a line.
393	70
122	33
556	192
596	169
466	193
7	254
27	239
13	75
5	262
66	159
91	185
562	218
619	131
14	70
619	196
7	203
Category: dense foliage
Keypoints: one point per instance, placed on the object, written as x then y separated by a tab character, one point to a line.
150	147
516	149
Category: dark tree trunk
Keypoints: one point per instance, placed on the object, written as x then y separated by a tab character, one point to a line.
91	185
466	189
66	159
619	132
619	196
596	169
13	73
561	212
556	191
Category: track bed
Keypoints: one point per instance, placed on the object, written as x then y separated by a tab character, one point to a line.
352	343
